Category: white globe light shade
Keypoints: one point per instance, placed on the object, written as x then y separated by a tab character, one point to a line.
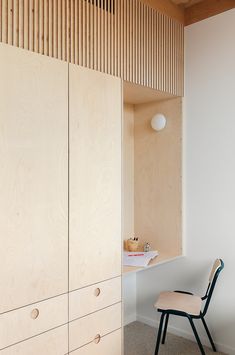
158	122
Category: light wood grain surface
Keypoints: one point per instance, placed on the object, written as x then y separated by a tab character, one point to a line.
33	177
162	258
108	342
18	325
167	7
137	94
93	298
95	177
139	41
84	330
53	342
158	177
128	172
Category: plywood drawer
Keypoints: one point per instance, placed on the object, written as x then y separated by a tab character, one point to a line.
28	321
84	330
110	344
94	298
54	342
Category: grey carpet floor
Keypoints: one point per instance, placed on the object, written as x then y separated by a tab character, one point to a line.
140	339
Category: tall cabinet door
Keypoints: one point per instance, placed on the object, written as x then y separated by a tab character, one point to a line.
33	177
95	177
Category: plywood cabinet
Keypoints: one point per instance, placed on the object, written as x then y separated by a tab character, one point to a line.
95	177
60	206
95	208
33	177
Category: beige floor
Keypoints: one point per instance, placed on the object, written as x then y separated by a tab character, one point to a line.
140	340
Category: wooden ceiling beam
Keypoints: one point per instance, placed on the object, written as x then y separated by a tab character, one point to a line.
168	8
191	13
205	9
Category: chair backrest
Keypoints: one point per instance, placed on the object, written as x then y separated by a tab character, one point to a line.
217	264
216	269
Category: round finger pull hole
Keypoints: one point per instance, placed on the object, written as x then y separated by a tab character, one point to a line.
97	292
97	339
35	313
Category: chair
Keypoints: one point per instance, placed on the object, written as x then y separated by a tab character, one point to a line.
185	304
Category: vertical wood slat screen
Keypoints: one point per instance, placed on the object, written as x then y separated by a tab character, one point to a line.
124	38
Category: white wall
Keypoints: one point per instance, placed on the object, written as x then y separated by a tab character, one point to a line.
209	182
129	298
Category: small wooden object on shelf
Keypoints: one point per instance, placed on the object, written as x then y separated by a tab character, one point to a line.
132	244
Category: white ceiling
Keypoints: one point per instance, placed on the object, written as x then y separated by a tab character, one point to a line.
186	3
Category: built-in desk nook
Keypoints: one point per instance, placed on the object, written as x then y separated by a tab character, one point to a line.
152	173
81	168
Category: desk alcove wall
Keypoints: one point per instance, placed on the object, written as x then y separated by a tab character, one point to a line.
152	171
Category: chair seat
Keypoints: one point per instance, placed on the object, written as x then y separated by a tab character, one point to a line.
182	302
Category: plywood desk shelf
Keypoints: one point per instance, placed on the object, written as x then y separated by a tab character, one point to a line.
162	258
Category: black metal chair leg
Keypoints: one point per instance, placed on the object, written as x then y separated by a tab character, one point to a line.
159	334
208	334
196	336
165	328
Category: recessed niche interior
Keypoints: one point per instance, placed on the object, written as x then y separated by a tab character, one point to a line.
152	172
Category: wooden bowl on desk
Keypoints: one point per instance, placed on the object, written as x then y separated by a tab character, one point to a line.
132	245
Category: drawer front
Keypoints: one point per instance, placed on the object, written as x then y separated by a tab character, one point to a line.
101	323
94	298
110	344
28	321
54	342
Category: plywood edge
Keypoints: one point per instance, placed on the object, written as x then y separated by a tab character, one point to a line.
158	261
168	8
135	94
206	9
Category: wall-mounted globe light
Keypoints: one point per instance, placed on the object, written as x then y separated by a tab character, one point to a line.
158	122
